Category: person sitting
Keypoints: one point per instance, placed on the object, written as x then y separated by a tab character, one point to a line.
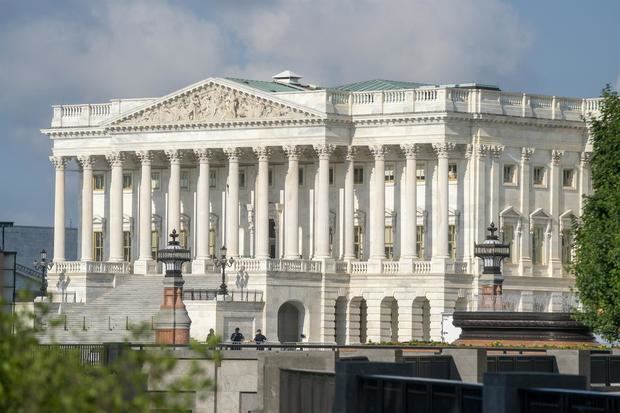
236	337
259	339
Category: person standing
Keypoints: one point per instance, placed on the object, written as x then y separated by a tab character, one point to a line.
259	339
236	337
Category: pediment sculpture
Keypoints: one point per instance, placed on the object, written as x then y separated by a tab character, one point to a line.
212	103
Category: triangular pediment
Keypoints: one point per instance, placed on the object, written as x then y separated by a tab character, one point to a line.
213	101
510	212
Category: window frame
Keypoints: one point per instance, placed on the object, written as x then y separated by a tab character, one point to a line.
455	178
128	175
301	175
514	181
185	180
543	183
358	172
388	246
573	178
419	241
420	166
213	175
127	244
98	246
156	177
97	175
389	167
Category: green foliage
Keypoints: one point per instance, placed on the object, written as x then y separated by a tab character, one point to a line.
36	378
597	242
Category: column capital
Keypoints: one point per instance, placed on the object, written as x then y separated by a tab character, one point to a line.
324	150
443	149
481	150
526	154
233	153
378	151
145	157
59	162
203	155
293	152
86	161
351	153
556	155
410	150
496	151
115	158
174	155
263	153
585	158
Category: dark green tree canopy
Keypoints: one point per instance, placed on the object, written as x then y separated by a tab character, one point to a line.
597	250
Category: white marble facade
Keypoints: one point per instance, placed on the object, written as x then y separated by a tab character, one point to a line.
359	207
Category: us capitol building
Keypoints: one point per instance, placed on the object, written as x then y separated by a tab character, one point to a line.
351	212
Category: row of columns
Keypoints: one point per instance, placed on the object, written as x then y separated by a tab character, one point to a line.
291	217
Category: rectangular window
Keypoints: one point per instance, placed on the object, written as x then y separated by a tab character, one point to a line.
154	243
509	238
510	174
389	241
127	181
568	178
270	177
300	176
419	242
98	245
539	175
241	178
212	178
358	175
98	182
389	174
452	172
212	242
156	181
184	180
452	241
358	242
420	172
567	247
127	246
538	238
331	175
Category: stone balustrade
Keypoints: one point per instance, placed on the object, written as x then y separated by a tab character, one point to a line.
91	267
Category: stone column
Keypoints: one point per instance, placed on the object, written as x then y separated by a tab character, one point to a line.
232	204
480	198
141	266
410	208
377	205
322	225
115	159
440	212
555	263
349	205
87	163
525	262
202	208
59	208
584	179
496	154
262	202
291	203
174	190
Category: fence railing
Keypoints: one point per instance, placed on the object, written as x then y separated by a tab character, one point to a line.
567	401
307	391
198	294
522	363
605	369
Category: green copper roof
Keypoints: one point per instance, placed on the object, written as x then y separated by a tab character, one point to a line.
378	84
265	86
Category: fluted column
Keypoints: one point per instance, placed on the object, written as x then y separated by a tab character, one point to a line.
115	159
555	267
322	226
145	205
87	163
525	262
496	155
59	208
202	203
410	208
440	212
262	202
174	190
291	203
232	205
377	205
349	205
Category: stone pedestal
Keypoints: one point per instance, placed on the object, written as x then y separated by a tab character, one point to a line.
172	322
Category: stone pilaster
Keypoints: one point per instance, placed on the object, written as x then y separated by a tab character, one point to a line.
584	178
555	187
496	152
525	261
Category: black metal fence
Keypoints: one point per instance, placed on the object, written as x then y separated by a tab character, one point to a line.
394	394
93	354
306	391
567	401
521	363
434	367
605	369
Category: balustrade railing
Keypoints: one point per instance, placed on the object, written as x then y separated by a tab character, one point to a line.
91	267
390	267
359	267
421	267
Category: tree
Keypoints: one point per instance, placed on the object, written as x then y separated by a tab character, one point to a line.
39	378
597	241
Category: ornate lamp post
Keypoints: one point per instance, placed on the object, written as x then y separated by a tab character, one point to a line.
43	265
172	321
492	251
222	263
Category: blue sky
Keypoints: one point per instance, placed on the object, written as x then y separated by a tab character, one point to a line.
71	51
